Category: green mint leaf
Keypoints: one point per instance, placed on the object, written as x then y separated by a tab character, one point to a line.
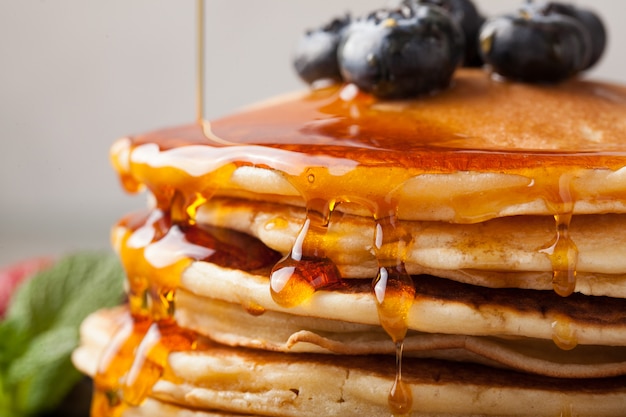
40	330
48	347
46	357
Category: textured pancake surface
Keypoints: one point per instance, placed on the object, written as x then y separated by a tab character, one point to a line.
273	384
505	252
294	254
509	148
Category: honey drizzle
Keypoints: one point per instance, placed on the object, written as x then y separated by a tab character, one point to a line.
134	362
563	252
394	292
563	333
400	397
567	410
200	34
155	252
305	269
564	257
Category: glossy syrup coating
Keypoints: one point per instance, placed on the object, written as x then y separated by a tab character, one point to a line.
480	124
337	146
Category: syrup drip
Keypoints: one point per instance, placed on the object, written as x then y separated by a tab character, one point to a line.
563	335
134	361
305	269
155	252
564	257
154	256
117	359
393	287
566	410
394	292
400	396
191	208
254	309
563	252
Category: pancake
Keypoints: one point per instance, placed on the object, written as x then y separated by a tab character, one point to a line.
155	408
439	306
245	380
480	138
230	324
329	253
444	249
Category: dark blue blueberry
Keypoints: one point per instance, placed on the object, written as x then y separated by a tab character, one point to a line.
316	54
535	47
589	20
402	53
467	16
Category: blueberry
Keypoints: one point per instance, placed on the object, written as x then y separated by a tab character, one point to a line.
467	16
401	53
589	20
535	47
316	54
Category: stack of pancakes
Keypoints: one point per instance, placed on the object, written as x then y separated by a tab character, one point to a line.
330	254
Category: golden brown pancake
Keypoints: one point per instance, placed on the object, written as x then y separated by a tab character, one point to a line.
267	383
479	141
328	253
494	253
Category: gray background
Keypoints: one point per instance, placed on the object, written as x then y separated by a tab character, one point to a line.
77	74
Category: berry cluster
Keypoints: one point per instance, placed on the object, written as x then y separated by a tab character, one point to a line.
415	48
543	43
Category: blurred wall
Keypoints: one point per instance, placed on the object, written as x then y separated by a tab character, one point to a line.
77	74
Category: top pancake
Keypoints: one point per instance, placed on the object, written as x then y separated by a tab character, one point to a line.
509	148
478	113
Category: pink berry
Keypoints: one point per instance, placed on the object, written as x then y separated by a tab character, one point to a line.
12	275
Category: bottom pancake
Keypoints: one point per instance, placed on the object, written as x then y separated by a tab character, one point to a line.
248	381
156	408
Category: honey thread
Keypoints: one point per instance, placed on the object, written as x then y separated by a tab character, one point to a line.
151	304
400	397
200	33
